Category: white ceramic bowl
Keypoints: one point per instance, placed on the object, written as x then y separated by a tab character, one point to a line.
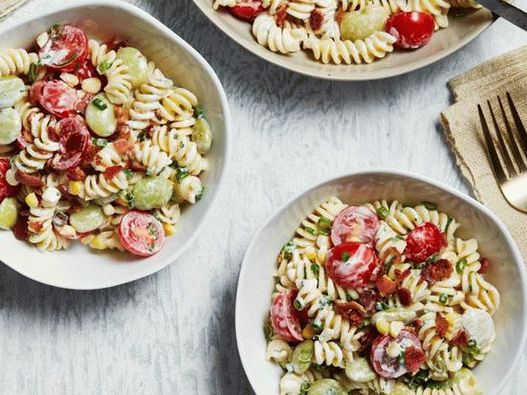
78	267
446	41
507	273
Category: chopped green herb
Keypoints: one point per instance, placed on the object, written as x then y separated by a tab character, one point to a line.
182	173
97	102
430	206
199	112
157	216
324	301
104	66
324	226
419	380
182	145
55	30
382	305
304	388
388	264
318	326
315	269
268	330
288	249
448	222
443	298
100	142
32	73
431	258
310	230
128	173
200	194
345	256
383	212
129	198
298	305
402	358
460	265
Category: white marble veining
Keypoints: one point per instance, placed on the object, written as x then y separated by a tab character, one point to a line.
173	333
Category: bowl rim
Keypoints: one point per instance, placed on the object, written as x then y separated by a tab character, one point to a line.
224	104
283	62
517	258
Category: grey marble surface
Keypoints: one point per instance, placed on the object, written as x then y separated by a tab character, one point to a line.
173	333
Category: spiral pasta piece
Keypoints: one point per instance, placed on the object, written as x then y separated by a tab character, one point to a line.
284	40
328	353
97	186
168	214
178	106
108	157
16	61
106	240
300	9
151	157
119	86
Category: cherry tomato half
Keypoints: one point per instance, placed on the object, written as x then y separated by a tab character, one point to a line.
247	10
351	264
355	223
141	234
423	242
411	29
284	318
393	367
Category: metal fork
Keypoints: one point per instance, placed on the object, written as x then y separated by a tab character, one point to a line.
507	150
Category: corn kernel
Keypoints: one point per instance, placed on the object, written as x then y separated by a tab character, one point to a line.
169	229
451	318
395	328
382	326
310	253
75	187
308	332
32	200
98	244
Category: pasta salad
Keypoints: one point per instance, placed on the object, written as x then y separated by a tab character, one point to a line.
343	31
96	145
380	298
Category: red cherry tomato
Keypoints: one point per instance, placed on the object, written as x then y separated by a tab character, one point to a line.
284	318
141	234
423	242
351	264
355	223
411	29
247	10
75	140
58	99
386	366
66	48
6	190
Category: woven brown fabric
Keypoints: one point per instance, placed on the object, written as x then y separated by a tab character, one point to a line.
462	129
8	6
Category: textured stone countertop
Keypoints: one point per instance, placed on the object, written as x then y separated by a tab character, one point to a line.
173	332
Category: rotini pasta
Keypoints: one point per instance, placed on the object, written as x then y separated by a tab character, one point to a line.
105	149
387	277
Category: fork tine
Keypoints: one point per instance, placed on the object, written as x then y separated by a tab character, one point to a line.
502	145
522	134
493	155
512	139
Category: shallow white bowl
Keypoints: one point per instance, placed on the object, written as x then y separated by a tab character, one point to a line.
446	41
78	267
507	273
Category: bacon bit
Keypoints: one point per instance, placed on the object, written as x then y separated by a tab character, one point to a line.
137	166
281	15
28	179
316	19
441	325
35	226
386	285
21	142
20	229
122	146
414	357
352	311
65	193
366	340
437	271
401	275
112	171
122	116
83	102
395	255
115	44
460	339
90	154
339	15
417	324
405	296
26	136
76	174
485	265
368	298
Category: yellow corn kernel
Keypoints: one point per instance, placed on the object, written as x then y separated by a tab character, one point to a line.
310	253
32	200
308	332
169	229
75	187
382	326
395	328
98	244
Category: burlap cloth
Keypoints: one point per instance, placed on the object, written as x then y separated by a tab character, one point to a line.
7	6
462	129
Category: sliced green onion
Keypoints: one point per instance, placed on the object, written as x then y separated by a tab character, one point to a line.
315	269
460	265
345	256
200	194
298	305
100	142
32	73
383	212
199	112
182	173
443	298
97	102
104	66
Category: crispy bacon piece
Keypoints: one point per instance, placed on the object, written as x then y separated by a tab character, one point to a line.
35	226
112	171
281	15
414	357
20	229
405	296
401	275
417	324
436	271
28	179
316	19
485	265
339	15
76	174
460	339
122	146
352	311
83	102
386	285
441	325
368	298
122	117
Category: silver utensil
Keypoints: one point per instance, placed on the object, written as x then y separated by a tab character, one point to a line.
506	11
507	150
